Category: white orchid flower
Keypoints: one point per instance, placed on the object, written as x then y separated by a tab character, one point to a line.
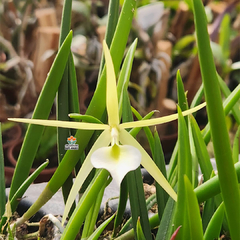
115	149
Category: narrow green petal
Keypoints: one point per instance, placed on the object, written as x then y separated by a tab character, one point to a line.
63	124
103	140
81	177
111	98
117	159
147	162
161	120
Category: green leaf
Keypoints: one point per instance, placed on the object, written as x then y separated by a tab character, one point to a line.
212	187
209	208
166	225
159	159
111	27
231	103
124	74
221	143
214	226
224	36
183	43
121	206
42	110
197	98
173	161
217	53
236	146
184	168
183	104
63	99
86	201
201	150
73	88
195	172
189	3
184	155
21	190
147	130
233	97
182	98
85	118
135	184
154	221
193	211
48	141
135	131
65	21
91	218
100	229
140	235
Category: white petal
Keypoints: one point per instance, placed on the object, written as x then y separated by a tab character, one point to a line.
118	160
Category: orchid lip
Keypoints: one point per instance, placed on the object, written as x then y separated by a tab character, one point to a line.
118	160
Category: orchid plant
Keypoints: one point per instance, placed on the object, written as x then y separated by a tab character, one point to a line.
124	153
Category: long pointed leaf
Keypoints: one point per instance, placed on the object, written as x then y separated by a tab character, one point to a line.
214	226
193	211
100	229
184	168
135	184
236	146
166	225
221	143
140	235
125	72
86	201
161	195
201	149
62	100
42	110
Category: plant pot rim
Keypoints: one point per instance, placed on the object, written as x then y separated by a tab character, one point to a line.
47	172
17	136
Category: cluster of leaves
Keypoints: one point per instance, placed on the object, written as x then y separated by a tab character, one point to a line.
175	220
